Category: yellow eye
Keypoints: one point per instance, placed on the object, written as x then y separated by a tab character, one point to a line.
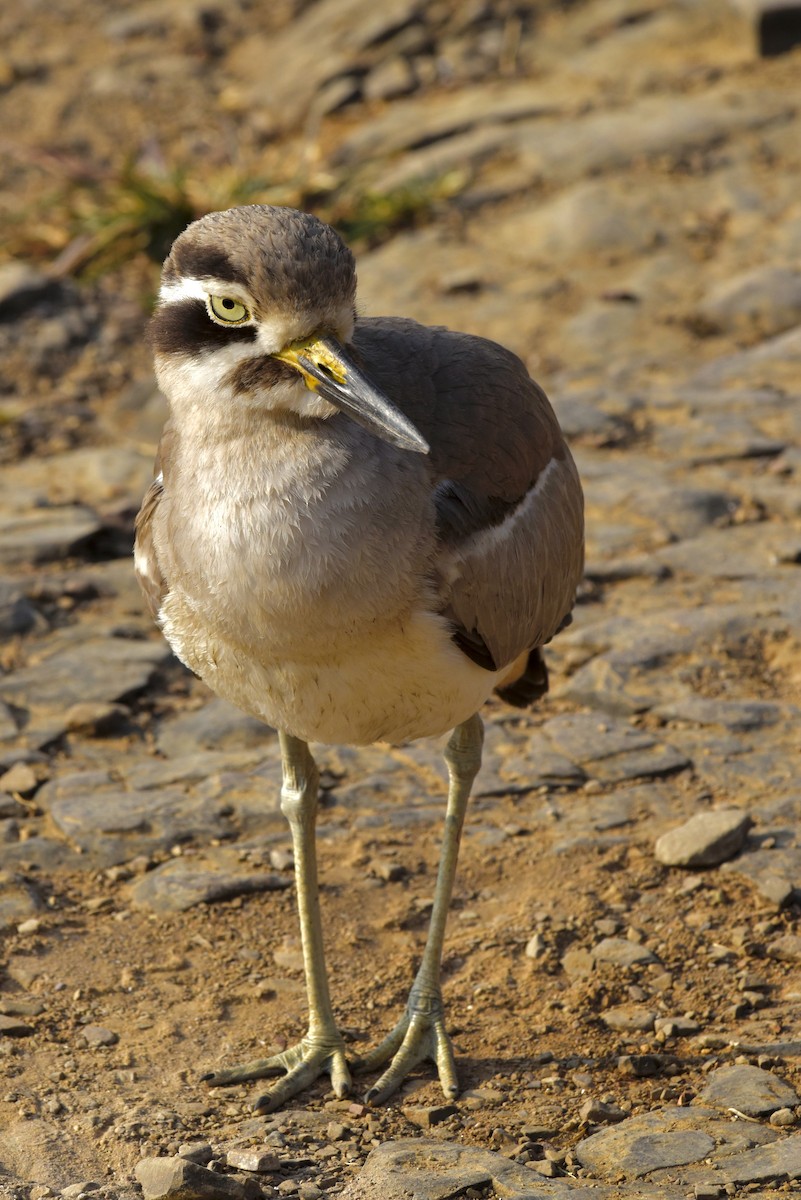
228	310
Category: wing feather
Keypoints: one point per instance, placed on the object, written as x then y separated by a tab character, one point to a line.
146	564
506	493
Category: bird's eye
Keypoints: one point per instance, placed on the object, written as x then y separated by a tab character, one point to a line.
227	310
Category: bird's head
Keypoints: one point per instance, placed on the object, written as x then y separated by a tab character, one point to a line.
255	311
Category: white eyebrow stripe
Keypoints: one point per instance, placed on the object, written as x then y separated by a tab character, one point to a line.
189	288
184	289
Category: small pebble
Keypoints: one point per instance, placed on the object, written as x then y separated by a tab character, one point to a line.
20	779
629	1018
97	1035
706	840
596	1112
260	1161
390	872
783	1117
96	718
536	946
14	1027
426	1118
197	1152
32	925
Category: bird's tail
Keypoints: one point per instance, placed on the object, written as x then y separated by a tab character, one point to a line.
526	681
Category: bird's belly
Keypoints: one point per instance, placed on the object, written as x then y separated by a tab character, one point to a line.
402	681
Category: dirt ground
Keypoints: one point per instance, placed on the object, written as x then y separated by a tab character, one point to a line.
186	992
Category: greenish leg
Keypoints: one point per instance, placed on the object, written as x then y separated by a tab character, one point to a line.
322	1050
420	1033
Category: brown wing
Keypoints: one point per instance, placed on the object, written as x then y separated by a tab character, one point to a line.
506	492
146	563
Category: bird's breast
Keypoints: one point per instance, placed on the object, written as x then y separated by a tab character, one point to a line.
281	552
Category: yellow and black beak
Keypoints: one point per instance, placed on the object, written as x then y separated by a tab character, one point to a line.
329	370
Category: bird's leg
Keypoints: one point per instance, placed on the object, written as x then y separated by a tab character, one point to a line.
322	1049
420	1033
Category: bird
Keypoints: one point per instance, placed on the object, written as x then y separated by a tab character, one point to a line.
359	528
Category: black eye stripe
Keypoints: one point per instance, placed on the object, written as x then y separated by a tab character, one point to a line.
184	327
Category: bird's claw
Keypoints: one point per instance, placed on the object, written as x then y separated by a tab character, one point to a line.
303	1063
419	1035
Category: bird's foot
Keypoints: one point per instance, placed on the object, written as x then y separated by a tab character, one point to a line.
420	1034
312	1057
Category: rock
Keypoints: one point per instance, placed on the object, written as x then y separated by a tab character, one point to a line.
308	53
46	534
424	120
776	872
17	615
685	511
676	1026
577	963
181	884
655	763
749	1090
737	715
109	669
93	476
197	1152
776	1162
20	779
643	1066
629	1018
706	840
584	738
97	1035
785	948
637	1146
604	685
536	946
259	1161
185	1180
611	750
622	953
390	872
596	1112
218	725
749	366
735	553
13	1007
19	901
97	719
588	218
666	1139
659	125
584	420
427	1118
14	1027
112	825
435	1170
540	766
767	298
